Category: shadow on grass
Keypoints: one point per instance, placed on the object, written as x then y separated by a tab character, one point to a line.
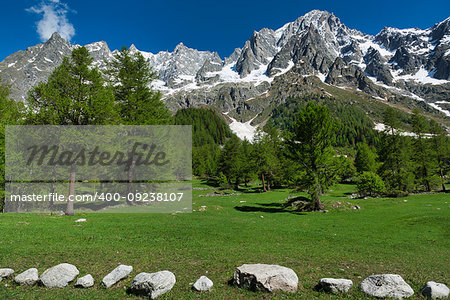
268	208
210	182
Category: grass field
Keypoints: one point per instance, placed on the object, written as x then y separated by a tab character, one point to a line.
409	238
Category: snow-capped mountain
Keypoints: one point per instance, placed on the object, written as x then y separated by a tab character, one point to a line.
406	62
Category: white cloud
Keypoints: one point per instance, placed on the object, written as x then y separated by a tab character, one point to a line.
54	19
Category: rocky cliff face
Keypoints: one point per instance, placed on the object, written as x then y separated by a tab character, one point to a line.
406	62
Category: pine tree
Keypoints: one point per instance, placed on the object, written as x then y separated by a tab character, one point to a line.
309	145
247	162
130	76
230	162
394	154
10	114
440	145
365	159
267	159
75	94
422	153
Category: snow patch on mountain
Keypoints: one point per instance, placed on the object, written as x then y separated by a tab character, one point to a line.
243	130
421	76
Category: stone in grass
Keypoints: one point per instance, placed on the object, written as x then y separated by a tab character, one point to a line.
85	281
6	272
29	277
332	285
267	278
153	285
386	285
116	275
59	276
435	290
203	284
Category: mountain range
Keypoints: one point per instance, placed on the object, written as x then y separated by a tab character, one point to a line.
316	53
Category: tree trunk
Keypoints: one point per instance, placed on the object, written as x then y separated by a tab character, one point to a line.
69	208
441	173
263	183
315	198
52	189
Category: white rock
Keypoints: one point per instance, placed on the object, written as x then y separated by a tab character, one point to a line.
85	281
59	276
435	290
80	220
6	272
116	275
203	284
333	285
153	285
268	278
29	277
386	285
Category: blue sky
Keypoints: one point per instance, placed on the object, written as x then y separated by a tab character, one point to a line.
206	25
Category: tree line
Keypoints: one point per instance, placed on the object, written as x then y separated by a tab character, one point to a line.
319	148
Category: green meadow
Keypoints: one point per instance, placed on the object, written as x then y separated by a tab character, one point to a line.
409	236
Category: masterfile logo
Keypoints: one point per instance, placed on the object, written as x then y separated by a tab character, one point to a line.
92	168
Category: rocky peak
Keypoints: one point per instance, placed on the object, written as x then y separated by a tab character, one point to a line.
56	39
308	50
257	52
393	38
133	48
327	24
234	56
441	30
181	48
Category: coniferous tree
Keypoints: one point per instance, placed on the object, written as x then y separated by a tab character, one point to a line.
365	159
422	153
309	147
75	94
10	114
266	154
247	162
440	145
209	132
230	162
130	76
394	154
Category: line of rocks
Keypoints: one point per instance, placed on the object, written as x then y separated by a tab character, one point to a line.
255	277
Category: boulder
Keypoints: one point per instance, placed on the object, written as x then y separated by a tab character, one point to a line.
332	285
6	272
116	275
59	276
85	281
435	290
386	285
268	278
203	284
29	277
153	285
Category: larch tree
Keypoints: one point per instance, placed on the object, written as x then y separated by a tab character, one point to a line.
130	77
75	94
309	146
